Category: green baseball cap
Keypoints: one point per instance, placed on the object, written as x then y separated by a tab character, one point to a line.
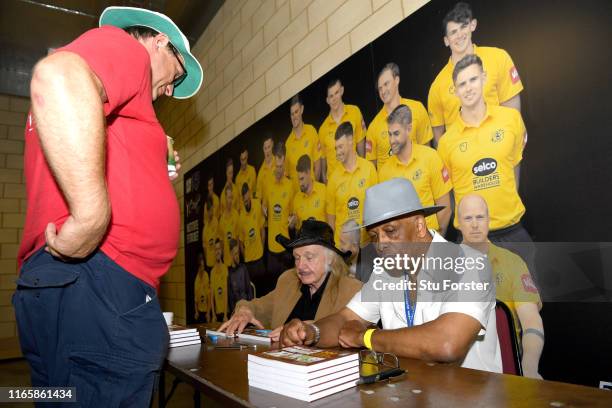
124	17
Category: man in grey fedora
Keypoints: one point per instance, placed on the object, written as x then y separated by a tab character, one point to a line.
454	324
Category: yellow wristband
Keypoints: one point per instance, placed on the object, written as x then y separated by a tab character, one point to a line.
367	338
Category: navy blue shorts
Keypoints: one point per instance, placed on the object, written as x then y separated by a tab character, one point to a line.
90	325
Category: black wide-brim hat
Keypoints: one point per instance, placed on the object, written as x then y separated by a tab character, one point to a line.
313	232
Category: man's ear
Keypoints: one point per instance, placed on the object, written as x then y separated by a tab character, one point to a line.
161	40
473	25
421	226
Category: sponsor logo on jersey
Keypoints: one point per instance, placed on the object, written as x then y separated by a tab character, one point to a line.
353	203
445	175
417	175
498	136
514	75
463	146
528	284
484	167
251	232
277	209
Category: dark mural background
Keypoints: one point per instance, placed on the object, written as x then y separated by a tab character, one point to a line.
562	52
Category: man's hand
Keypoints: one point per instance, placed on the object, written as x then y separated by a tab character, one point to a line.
77	238
296	332
274	335
177	164
351	334
239	320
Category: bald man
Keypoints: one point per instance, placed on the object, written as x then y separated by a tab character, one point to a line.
514	285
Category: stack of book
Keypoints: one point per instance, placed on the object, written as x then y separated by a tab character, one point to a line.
303	373
182	336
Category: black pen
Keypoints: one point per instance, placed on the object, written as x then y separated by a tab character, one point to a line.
371	379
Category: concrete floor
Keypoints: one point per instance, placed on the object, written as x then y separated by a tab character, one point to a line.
17	373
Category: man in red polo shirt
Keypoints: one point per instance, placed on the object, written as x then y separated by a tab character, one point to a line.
102	223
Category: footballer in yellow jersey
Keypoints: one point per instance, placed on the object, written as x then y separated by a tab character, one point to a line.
251	228
303	139
201	292
228	229
215	198
229	177
347	185
278	204
339	112
503	85
209	236
482	154
309	201
218	285
266	170
246	174
513	283
377	139
421	165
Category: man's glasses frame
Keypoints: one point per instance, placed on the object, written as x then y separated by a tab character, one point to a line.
182	77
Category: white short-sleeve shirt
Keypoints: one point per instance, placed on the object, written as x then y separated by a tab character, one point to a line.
374	305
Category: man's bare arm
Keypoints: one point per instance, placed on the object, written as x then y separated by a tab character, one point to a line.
445	214
533	338
446	339
67	104
438	131
361	148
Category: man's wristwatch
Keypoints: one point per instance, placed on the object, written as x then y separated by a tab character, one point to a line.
317	333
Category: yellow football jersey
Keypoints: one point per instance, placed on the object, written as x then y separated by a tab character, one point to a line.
513	282
278	199
310	206
346	194
248	176
482	160
426	172
249	231
228	229
327	134
503	83
215	207
264	176
201	291
210	235
377	142
218	285
307	144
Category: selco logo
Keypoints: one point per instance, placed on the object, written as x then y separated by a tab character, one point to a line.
353	203
277	209
484	167
229	235
251	232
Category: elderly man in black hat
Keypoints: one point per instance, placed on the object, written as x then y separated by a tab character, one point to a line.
318	286
436	311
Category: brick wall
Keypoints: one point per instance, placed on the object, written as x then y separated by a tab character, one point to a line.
13	111
256	54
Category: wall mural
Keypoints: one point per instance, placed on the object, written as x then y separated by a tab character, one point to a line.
292	164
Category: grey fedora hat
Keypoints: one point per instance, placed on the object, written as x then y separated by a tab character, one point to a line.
391	199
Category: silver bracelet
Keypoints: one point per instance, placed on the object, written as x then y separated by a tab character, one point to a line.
317	334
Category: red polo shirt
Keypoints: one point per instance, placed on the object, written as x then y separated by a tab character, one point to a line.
143	233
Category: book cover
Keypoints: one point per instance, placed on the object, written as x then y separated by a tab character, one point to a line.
302	359
305	396
258	335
